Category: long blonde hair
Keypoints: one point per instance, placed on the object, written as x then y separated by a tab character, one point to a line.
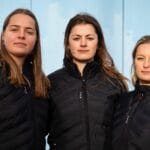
41	83
142	40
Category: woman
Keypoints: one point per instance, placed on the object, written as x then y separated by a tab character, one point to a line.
23	85
132	118
84	90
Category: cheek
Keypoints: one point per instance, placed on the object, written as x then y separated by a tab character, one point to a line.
73	47
72	51
8	43
94	46
94	49
137	68
31	43
8	40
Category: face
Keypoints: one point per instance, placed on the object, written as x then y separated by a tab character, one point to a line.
20	36
142	63
83	42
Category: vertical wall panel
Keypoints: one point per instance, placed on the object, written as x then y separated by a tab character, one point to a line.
54	15
6	6
136	24
123	23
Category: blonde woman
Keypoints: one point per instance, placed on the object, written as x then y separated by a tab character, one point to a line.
132	118
23	85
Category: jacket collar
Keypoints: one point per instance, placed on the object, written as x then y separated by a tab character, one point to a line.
28	71
90	70
143	89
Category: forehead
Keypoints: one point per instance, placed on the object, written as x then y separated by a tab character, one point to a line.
81	28
143	49
22	20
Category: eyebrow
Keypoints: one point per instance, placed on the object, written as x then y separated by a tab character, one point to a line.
81	35
140	55
19	26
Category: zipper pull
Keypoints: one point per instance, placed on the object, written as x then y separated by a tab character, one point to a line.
127	119
25	90
81	95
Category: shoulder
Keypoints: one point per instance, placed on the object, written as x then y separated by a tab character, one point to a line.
125	98
56	74
0	68
127	95
113	84
40	104
3	74
107	79
118	84
57	77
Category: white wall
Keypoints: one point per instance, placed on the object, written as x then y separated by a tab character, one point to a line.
123	23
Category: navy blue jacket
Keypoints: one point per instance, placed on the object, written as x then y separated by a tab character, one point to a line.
82	108
132	120
23	118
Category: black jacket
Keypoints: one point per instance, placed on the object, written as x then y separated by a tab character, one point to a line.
82	108
22	117
132	120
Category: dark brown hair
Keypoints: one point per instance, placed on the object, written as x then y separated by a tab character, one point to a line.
106	61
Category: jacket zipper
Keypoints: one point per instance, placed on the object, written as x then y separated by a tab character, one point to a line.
131	110
25	90
83	98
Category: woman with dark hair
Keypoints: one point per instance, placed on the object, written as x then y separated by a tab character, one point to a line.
84	91
23	85
132	117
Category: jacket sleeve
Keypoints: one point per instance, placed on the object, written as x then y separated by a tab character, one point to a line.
40	111
108	120
51	125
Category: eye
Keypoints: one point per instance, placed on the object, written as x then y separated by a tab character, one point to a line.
13	29
30	32
90	38
140	58
76	38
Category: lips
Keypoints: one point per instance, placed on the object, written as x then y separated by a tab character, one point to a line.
83	51
145	72
20	44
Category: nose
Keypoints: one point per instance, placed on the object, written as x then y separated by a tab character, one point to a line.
21	34
146	63
83	42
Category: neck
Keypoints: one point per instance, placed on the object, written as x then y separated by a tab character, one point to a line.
81	66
